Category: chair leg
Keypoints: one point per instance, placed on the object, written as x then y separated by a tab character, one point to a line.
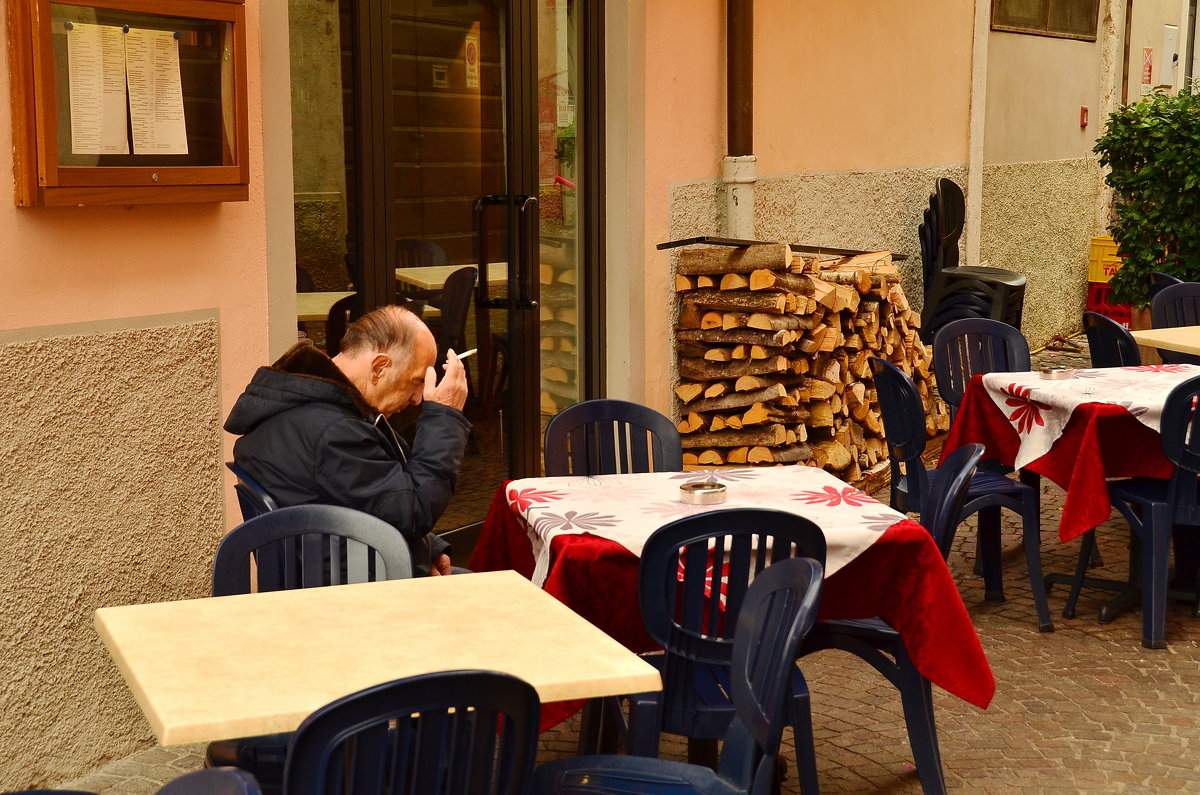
1032	531
989	554
806	754
1156	551
916	696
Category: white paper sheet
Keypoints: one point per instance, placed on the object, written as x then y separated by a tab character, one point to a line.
96	74
155	92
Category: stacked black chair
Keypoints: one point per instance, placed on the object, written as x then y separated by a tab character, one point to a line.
953	292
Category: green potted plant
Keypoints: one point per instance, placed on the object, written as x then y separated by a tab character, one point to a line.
1152	151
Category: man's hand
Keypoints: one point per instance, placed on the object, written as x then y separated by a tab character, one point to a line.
452	389
441	565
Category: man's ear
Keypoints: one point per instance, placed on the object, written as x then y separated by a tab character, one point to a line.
379	362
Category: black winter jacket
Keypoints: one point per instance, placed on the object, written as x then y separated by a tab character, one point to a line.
307	436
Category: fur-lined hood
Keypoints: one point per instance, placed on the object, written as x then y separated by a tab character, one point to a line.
302	375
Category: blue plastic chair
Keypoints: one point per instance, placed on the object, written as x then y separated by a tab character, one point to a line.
1109	343
965	348
212	781
878	643
717	554
1154	507
1173	306
252	497
772	619
606	437
1159	281
449	733
303	546
904	422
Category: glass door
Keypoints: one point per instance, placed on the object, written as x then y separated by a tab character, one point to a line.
464	148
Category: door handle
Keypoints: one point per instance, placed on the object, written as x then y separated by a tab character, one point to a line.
479	209
527	213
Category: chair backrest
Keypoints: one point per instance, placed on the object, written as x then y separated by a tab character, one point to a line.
412	253
606	437
212	781
454	301
904	430
1160	280
963	349
252	498
692	581
449	733
1109	343
306	546
1176	305
951	215
944	506
928	238
1180	431
778	611
336	322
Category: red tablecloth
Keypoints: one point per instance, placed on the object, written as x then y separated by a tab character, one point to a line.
1101	440
900	578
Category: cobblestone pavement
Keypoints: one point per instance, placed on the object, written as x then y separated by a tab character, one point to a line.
1085	709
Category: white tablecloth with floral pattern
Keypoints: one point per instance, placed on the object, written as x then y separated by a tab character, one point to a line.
1039	409
627	509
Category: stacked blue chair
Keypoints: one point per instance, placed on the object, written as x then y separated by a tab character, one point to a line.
606	437
1159	281
1174	306
303	546
1154	507
904	422
775	614
449	733
252	498
878	643
716	554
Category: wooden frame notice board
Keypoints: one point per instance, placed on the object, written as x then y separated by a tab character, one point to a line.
128	101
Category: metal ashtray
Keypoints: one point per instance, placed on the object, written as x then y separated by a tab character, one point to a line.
706	493
1057	373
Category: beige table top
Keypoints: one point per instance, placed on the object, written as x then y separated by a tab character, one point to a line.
1184	339
238	666
432	277
314	307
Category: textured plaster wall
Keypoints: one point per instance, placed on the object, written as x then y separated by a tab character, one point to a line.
1038	219
110	494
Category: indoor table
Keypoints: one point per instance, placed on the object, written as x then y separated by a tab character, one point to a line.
314	307
433	277
1181	339
240	666
580	537
1079	431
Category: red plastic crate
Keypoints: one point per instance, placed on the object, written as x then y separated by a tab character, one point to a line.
1099	299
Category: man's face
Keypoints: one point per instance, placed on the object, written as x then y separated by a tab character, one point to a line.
402	382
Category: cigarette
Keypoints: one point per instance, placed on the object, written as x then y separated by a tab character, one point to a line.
465	354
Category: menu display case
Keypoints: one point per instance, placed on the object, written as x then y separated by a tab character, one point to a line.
128	101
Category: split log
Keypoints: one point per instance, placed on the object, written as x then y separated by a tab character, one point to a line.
783	282
741	399
768	339
779	455
716	389
769	435
702	370
766	322
735	300
688	392
772	256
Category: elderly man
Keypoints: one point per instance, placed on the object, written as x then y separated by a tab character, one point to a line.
314	429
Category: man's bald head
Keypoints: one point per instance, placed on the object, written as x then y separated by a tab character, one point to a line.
385	354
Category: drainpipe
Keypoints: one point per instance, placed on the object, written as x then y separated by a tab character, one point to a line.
740	170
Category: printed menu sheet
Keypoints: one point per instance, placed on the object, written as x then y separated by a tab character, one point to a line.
155	92
120	77
96	67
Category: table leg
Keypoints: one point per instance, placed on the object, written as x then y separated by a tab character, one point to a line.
601	727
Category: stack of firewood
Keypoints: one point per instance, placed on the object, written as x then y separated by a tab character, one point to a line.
774	354
558	320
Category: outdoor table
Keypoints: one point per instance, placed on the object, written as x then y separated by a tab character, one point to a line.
239	666
588	531
1098	424
1079	431
1182	339
314	307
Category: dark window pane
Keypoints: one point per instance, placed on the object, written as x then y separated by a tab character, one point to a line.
1070	18
1029	14
1074	17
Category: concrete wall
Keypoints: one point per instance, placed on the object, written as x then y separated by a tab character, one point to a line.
113	486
